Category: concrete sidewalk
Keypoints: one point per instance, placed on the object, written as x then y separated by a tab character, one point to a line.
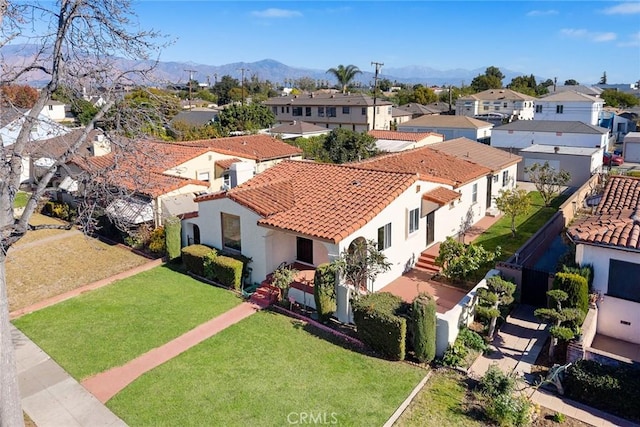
516	347
50	396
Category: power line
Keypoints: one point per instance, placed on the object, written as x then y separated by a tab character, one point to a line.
378	65
190	80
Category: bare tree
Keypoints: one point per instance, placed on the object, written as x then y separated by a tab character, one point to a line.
77	42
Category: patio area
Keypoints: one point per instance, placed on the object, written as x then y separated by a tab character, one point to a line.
617	347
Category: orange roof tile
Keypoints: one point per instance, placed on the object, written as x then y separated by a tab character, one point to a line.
226	163
256	147
401	136
617	219
441	195
323	201
431	165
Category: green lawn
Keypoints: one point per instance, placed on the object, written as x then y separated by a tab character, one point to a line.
499	234
21	199
112	325
442	402
267	370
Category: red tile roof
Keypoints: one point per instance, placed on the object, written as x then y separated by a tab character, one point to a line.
401	136
321	201
431	165
617	220
256	147
226	163
441	195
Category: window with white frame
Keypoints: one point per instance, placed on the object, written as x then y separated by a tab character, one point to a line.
226	180
505	178
203	176
345	110
364	111
384	237
414	220
231	232
474	193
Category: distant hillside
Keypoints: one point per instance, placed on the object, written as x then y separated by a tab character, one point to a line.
267	69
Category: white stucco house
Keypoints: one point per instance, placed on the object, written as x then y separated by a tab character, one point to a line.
610	241
581	162
507	104
631	147
55	110
569	106
296	129
393	141
451	127
525	133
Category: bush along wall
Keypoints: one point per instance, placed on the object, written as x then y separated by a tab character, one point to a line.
194	256
173	237
224	270
577	290
424	327
379	325
324	291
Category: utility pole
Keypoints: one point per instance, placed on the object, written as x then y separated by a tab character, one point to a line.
450	99
378	65
242	70
190	80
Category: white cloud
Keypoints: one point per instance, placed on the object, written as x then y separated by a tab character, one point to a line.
634	41
588	35
276	13
627	8
542	12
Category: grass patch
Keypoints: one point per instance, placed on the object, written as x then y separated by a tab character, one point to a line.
499	234
262	371
21	199
444	401
111	326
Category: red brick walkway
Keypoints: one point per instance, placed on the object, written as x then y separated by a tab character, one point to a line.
107	384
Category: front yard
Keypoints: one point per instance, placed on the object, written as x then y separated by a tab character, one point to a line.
110	326
267	370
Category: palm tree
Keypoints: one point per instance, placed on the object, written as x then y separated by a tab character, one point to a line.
344	74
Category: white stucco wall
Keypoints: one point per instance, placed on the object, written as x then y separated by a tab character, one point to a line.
582	111
451	133
524	139
499	185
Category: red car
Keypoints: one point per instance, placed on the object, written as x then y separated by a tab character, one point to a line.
610	159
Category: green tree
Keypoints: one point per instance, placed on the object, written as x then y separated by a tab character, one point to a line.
547	180
181	131
324	291
221	89
361	263
306	84
424	327
603	79
84	111
385	85
312	147
498	292
571	82
344	145
614	98
524	84
491	79
559	317
158	105
423	95
459	260
344	75
513	202
248	117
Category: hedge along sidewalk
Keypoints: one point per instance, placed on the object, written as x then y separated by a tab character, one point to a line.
90	287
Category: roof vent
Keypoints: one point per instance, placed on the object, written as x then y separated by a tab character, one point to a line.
355	183
244	142
556	149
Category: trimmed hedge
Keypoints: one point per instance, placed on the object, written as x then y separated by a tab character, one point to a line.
424	327
324	291
576	288
378	324
244	259
585	271
614	389
224	270
193	258
173	237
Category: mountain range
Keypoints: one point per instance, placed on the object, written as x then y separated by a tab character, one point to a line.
267	69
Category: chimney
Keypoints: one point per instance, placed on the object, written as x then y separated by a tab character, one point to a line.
101	145
556	149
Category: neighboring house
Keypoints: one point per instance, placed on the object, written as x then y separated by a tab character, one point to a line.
297	129
506	103
340	110
451	127
310	212
393	141
10	125
525	133
631	147
609	240
623	122
55	111
502	164
400	116
633	88
196	117
569	106
587	90
580	162
418	110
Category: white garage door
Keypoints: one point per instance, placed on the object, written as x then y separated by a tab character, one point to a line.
555	164
632	152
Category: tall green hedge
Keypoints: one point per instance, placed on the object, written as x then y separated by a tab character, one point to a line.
173	237
324	291
615	389
193	258
576	288
379	325
224	270
424	327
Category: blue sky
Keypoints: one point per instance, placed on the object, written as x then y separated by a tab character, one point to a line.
564	39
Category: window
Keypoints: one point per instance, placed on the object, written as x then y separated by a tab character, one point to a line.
364	111
307	111
297	111
287	109
504	105
414	220
196	235
619	284
282	110
496	108
384	237
538	108
275	110
226	180
331	111
559	109
505	178
231	232
389	110
346	110
203	176
304	250
320	111
474	193
496	178
485	108
50	107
